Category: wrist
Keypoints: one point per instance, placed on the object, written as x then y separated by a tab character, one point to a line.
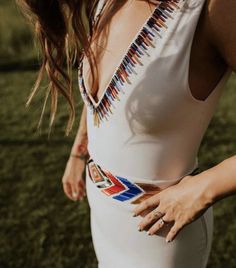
79	156
207	194
80	151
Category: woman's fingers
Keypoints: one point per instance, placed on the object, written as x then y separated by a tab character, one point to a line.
158	225
174	231
150	218
82	187
73	182
78	188
74	190
148	203
67	190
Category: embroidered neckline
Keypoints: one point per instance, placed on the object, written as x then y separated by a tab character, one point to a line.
136	49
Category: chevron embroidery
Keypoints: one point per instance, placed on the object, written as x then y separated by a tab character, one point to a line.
120	188
131	191
117	187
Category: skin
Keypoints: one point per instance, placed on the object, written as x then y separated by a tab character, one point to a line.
213	50
72	179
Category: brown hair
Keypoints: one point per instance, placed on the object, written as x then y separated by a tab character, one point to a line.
62	30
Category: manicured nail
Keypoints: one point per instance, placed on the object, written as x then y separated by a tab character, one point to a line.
168	240
149	233
140	229
134	215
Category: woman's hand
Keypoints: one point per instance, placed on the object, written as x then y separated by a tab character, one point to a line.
73	181
181	204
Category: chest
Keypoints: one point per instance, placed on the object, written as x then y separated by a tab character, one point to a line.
123	27
157	71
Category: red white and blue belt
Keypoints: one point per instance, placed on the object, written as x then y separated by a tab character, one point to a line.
120	188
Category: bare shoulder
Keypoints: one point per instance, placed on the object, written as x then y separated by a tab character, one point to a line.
221	28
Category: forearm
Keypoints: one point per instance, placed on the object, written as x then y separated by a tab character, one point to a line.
220	180
81	139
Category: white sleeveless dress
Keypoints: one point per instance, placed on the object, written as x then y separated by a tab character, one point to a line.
144	134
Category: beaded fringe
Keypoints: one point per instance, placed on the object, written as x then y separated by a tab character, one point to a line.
136	50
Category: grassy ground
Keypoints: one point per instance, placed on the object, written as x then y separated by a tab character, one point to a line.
39	226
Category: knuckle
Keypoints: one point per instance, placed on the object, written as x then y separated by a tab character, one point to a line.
150	216
67	180
155	227
144	205
180	224
168	217
173	231
147	202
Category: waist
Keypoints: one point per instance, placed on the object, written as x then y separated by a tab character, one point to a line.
124	189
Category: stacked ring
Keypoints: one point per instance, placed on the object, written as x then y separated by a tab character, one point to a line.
159	215
162	221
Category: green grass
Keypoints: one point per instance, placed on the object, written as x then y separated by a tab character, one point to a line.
16	36
40	226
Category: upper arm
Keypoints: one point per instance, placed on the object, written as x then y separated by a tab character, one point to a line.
221	23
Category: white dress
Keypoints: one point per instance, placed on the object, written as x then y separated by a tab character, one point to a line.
143	134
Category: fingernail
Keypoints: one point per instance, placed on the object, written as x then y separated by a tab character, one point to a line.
168	240
149	233
134	215
140	229
75	195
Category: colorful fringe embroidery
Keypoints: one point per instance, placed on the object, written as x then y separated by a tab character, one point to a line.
152	27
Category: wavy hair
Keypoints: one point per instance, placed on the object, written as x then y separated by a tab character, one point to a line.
63	29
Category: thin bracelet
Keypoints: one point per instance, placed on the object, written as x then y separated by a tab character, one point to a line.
83	157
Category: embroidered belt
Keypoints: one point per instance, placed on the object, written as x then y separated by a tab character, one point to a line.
120	188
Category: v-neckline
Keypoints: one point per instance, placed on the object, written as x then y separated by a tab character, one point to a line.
157	18
96	104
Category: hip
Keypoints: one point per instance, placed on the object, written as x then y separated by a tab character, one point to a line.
111	218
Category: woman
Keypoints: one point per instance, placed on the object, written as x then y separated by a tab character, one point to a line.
142	125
